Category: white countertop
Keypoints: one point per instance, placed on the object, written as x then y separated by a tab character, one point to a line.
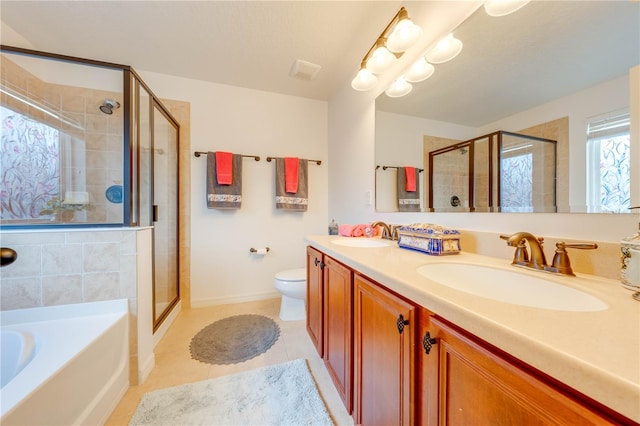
596	353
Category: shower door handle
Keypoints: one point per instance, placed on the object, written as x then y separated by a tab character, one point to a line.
154	213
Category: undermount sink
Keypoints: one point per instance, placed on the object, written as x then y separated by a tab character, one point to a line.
360	242
511	286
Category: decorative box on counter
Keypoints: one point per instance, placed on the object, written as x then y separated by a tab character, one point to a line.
429	238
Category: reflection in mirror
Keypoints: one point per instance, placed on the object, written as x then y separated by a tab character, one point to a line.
502	171
527	174
401	186
546	71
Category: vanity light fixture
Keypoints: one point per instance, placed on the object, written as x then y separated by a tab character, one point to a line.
399	88
404	34
447	48
503	7
394	40
365	79
381	59
419	71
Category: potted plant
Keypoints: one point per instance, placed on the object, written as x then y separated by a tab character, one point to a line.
63	212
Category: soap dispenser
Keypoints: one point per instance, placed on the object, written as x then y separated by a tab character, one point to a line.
630	260
333	227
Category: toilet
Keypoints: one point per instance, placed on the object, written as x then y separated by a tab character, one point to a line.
292	283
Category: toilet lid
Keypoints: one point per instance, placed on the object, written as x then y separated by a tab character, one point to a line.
299	274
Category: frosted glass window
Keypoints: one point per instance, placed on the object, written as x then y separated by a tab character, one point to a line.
608	164
516	184
30	167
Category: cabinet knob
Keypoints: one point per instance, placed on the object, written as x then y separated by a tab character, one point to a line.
428	342
318	262
401	322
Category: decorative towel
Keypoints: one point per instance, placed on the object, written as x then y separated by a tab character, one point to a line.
408	201
345	230
291	174
360	230
224	167
410	176
297	201
224	196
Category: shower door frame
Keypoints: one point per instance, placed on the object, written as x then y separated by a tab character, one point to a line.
131	214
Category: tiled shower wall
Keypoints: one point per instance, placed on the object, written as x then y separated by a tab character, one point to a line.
61	267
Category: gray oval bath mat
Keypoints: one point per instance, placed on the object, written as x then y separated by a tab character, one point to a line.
234	339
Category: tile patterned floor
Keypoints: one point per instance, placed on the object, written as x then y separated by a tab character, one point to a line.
174	365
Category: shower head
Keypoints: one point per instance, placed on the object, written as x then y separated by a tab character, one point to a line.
109	105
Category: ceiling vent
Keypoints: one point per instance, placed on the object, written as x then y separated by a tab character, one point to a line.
304	70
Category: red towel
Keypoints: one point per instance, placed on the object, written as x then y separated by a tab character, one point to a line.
291	174
224	167
410	173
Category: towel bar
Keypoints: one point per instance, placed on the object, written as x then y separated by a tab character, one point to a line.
318	162
199	153
396	167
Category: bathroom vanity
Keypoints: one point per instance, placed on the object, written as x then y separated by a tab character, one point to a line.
404	347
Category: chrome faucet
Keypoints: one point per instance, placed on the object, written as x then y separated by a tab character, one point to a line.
386	231
560	264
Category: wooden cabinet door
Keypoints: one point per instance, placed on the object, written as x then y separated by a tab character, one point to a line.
476	385
427	365
383	356
315	298
338	329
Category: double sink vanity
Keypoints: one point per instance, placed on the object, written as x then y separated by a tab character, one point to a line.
469	339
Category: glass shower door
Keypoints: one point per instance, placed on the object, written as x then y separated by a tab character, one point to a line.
165	215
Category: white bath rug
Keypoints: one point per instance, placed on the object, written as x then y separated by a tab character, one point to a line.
282	394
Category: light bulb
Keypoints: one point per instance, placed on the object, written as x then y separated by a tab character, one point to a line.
365	80
447	48
381	59
419	71
503	7
403	36
399	88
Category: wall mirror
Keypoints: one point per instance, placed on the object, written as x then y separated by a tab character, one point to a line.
546	70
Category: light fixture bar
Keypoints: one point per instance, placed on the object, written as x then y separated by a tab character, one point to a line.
383	55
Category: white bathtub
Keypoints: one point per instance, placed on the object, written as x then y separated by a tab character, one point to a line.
76	372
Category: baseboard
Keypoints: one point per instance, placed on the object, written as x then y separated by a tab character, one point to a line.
145	368
201	303
168	321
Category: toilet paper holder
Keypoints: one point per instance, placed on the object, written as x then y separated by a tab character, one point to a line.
254	250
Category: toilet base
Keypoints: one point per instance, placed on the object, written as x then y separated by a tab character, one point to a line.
292	309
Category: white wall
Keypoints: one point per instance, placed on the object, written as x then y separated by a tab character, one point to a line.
249	122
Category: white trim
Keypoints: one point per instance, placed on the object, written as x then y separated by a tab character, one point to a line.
214	301
145	368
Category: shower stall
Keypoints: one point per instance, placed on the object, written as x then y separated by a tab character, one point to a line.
87	146
499	172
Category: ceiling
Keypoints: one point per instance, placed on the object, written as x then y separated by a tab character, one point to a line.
544	51
251	44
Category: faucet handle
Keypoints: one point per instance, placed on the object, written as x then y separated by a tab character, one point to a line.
582	246
561	263
520	256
